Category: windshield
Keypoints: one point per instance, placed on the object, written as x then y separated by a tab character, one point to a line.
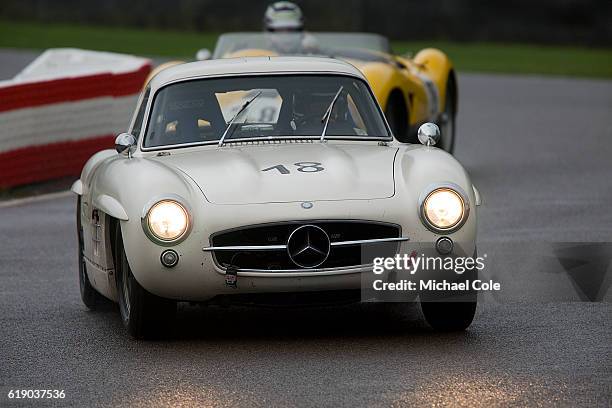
283	106
282	43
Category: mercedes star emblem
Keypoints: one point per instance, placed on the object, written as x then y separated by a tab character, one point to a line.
308	246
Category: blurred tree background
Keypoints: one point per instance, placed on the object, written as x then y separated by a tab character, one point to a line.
570	22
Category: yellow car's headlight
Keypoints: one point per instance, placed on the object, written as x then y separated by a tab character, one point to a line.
167	220
444	209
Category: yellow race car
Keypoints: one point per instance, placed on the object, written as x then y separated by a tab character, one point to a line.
411	91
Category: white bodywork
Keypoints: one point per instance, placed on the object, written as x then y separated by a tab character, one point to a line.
224	188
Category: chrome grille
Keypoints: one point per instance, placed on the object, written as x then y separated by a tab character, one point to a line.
263	247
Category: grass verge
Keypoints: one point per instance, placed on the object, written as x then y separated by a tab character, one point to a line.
470	57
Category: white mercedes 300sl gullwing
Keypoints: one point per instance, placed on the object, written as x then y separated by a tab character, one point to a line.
262	178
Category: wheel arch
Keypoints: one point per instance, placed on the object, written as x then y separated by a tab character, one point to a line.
111	206
382	79
398	96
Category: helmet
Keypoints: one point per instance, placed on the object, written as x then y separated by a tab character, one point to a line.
283	16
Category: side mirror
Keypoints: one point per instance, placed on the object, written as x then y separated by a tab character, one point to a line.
203	54
429	134
125	144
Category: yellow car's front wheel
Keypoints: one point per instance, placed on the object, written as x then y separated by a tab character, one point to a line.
396	112
448	117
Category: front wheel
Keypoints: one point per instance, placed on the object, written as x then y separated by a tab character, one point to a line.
397	117
448	118
449	316
143	314
451	311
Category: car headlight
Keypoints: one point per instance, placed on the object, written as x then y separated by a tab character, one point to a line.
167	221
444	209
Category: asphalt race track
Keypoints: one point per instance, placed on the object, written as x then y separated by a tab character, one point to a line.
540	152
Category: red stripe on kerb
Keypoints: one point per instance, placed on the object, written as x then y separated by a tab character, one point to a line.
72	89
45	162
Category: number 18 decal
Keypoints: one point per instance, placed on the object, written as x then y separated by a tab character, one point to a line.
303	167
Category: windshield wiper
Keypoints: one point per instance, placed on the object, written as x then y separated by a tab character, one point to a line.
328	112
231	122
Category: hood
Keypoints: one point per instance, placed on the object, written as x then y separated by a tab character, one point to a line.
287	172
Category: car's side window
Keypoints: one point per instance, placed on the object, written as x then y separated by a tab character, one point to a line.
140	116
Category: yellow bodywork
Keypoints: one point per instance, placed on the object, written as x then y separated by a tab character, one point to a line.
406	77
396	74
160	68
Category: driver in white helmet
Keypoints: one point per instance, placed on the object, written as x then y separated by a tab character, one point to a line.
284	23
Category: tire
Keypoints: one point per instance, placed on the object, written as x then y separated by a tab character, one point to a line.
449	316
143	314
449	117
397	116
449	311
90	297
